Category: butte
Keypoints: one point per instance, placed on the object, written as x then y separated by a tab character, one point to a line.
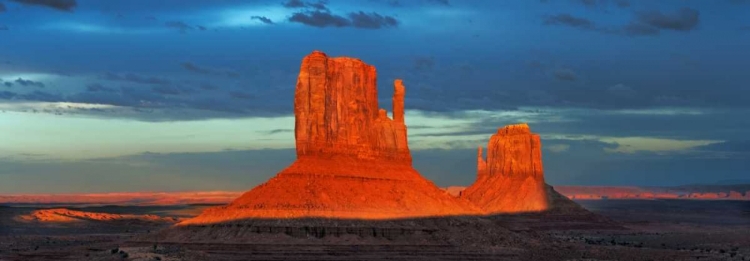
510	186
511	180
353	161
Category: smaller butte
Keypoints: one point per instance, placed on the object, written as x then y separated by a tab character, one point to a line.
511	179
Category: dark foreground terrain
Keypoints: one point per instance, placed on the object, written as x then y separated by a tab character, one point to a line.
642	230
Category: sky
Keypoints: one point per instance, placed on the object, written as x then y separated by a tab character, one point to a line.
178	95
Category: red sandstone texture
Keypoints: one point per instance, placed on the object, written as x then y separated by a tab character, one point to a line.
336	112
511	179
353	161
62	215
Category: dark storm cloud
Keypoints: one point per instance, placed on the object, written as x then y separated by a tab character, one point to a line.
727	146
8	84
167	90
263	19
6	95
31	83
131	77
636	29
565	75
545	83
320	19
600	3
145	171
569	20
62	5
622	3
41	96
357	19
293	4
440	2
648	23
241	95
685	19
208	71
372	20
588	2
97	87
208	86
320	5
179	25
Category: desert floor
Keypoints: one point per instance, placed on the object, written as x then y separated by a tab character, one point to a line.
651	230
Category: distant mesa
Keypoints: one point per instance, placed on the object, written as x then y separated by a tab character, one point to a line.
353	161
690	192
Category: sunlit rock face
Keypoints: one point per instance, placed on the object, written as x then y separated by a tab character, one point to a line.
511	179
336	112
353	161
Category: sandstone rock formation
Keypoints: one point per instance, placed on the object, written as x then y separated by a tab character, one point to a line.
353	161
511	179
336	112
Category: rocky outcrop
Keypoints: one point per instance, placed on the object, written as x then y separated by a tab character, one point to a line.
336	112
511	179
353	161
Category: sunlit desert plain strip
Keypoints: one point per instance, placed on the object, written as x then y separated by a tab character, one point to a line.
706	192
125	198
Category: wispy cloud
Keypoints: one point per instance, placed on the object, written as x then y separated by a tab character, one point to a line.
208	71
61	5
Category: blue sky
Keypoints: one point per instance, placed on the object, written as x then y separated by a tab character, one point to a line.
170	95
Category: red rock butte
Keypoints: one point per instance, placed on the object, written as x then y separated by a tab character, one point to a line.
353	161
511	179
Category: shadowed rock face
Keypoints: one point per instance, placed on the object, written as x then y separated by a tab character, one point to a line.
352	160
511	179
